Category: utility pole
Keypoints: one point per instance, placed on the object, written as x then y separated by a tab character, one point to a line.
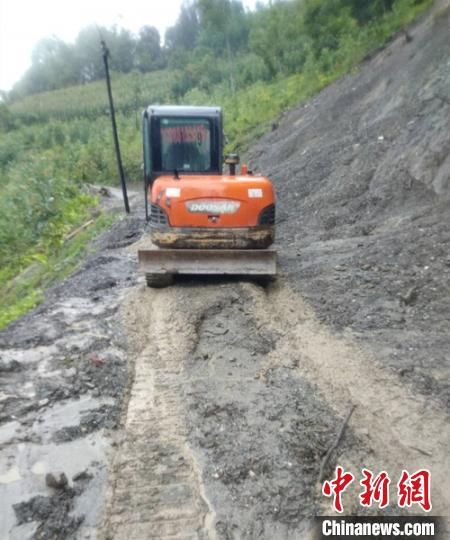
114	128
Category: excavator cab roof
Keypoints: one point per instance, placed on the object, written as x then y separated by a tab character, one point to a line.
183	110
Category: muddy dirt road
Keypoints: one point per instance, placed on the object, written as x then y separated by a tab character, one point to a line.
200	411
238	393
204	410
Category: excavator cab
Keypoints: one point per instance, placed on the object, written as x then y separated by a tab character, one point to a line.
185	145
202	221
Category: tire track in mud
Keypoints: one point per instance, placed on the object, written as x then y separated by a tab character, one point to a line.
156	491
238	393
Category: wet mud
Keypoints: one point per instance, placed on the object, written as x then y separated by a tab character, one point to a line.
205	410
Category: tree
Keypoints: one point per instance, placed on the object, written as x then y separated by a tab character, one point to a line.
366	10
120	43
278	37
224	29
148	50
87	47
53	65
326	23
224	25
184	34
122	47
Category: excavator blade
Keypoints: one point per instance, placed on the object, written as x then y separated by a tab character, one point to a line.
256	262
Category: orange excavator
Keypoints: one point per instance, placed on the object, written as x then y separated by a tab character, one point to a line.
201	220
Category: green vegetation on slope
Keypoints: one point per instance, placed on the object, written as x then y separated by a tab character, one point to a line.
43	268
53	143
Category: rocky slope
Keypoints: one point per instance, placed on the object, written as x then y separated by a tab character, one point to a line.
362	173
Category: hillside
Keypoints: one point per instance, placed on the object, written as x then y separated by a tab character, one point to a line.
207	410
363	179
55	144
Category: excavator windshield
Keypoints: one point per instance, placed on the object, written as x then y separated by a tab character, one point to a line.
183	144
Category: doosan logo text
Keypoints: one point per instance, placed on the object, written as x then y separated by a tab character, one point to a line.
213	207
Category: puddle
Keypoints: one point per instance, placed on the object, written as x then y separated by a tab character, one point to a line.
28	356
67	414
83	340
10	476
23	468
75	309
23	465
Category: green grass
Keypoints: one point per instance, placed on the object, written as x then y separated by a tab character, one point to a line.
26	290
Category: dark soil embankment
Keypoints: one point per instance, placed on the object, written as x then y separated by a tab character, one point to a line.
362	174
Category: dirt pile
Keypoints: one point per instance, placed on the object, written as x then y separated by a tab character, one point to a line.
362	174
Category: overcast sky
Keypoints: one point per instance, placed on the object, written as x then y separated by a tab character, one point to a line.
24	22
